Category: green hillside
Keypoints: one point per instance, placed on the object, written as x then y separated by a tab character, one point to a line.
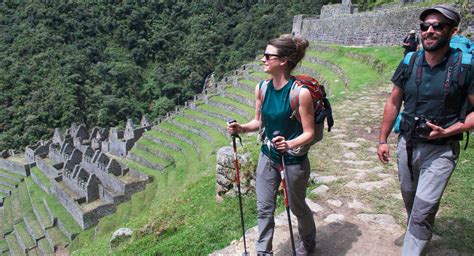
98	64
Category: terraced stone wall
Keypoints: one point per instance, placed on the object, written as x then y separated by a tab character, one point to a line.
384	27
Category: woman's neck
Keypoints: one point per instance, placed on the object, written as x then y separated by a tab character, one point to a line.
280	80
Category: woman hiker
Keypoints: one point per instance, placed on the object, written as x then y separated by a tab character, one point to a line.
273	112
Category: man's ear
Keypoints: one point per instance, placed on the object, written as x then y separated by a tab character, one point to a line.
454	31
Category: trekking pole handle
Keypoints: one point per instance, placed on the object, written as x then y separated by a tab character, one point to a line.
234	135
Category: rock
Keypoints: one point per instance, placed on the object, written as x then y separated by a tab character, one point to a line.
355	204
336	203
360	176
219	199
326	179
350	155
369	186
357	162
350	145
339	136
352	185
320	190
315	208
384	175
313	176
397	196
121	232
372	149
334	218
383	220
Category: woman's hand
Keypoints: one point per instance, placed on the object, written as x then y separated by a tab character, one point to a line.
234	128
281	144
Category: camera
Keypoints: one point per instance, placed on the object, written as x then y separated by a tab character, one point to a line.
421	128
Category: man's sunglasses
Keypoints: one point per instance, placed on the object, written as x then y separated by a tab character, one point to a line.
268	55
437	26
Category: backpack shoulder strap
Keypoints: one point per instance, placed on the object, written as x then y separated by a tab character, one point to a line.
409	62
407	58
295	95
263	86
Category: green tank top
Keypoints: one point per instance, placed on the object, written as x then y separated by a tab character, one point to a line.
276	112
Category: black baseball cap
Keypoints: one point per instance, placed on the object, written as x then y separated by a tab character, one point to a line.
446	10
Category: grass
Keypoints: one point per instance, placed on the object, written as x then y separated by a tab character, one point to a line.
11	174
41	177
455	222
3	246
240	92
208	118
223	112
335	89
239	105
57	236
359	74
28	214
154	159
189	227
261	75
9	181
16	207
251	84
7	216
23	234
37	195
44	246
158	200
13	245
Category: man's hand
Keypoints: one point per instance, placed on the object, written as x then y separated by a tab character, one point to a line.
383	151
436	132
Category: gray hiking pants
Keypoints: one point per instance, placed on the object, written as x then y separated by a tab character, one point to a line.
268	181
432	166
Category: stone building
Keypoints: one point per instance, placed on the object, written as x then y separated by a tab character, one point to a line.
85	179
343	24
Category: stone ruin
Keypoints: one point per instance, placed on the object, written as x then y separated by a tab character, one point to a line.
84	173
344	24
226	174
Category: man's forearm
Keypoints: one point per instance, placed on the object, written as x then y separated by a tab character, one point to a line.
389	114
461	127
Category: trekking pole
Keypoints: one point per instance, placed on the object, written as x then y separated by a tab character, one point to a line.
282	170
237	180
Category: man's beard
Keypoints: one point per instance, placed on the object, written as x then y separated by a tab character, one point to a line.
441	41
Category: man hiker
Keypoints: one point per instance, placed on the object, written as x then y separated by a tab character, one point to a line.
410	42
438	94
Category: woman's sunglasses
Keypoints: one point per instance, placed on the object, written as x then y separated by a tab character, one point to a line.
437	26
268	55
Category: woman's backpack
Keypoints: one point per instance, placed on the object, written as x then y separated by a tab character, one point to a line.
321	105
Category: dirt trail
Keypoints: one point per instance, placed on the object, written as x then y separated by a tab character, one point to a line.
358	207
